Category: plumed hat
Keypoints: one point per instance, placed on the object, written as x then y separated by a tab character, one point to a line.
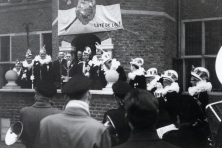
200	72
43	50
46	89
137	61
152	72
170	75
18	63
106	57
87	51
120	88
28	53
77	85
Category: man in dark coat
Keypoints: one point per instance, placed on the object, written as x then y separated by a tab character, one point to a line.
120	88
74	127
69	68
31	116
57	69
142	114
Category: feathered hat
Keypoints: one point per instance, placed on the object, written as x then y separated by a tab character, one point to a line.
200	72
106	57
152	72
170	75
43	50
137	61
87	51
28	53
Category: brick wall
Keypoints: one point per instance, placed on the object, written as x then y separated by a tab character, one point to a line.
195	9
12	102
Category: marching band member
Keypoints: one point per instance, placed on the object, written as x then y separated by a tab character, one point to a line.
69	68
43	67
195	131
136	76
113	64
152	79
27	71
168	98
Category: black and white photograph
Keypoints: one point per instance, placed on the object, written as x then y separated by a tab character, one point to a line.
111	73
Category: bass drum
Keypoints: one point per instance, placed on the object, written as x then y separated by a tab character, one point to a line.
13	133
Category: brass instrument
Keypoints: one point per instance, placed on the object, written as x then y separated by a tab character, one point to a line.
13	133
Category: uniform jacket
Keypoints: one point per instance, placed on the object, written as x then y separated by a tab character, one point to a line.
122	74
43	72
31	117
57	69
122	128
97	77
73	128
26	82
145	139
138	82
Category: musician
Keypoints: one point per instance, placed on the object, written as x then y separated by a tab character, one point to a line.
113	64
120	88
168	98
74	127
69	68
137	75
32	115
43	67
27	71
57	69
142	115
153	80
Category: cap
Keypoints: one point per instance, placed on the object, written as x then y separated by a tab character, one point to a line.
46	89
152	72
137	61
87	51
42	50
18	63
200	72
106	57
77	85
28	53
171	75
120	88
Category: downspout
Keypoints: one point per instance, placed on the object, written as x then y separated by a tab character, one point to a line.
178	28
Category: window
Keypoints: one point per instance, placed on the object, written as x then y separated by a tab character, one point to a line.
4	48
201	43
47	41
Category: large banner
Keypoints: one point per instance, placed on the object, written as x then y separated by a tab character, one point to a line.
87	16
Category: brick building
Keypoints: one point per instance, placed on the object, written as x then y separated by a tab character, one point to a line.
167	34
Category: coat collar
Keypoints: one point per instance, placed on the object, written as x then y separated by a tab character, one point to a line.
42	105
144	135
77	108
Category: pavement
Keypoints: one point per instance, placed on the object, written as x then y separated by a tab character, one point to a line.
15	145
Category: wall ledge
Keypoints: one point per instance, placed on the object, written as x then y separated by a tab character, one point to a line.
94	92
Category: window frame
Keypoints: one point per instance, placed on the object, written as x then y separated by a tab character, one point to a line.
203	56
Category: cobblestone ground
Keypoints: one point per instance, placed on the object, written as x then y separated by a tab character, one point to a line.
16	145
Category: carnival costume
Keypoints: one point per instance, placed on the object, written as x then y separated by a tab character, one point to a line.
137	77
